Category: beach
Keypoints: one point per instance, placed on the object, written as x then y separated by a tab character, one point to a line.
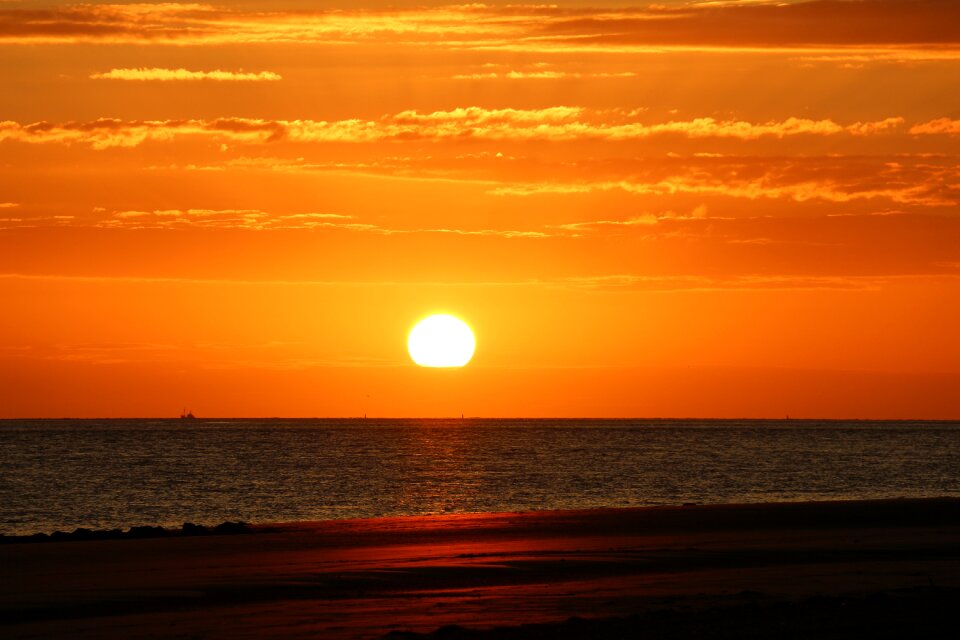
413	575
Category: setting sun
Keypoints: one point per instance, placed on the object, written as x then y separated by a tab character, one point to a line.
441	341
710	250
663	208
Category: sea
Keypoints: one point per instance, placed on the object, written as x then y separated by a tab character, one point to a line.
105	474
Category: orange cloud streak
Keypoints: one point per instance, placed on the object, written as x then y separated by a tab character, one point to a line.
166	75
802	25
767	186
937	127
550	124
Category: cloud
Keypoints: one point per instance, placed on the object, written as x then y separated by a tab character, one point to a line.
105	133
542	75
772	184
644	220
878	126
251	219
36	221
761	26
9	205
502	233
201	24
906	181
937	127
699	213
166	75
712	128
859	57
751	282
560	123
774	24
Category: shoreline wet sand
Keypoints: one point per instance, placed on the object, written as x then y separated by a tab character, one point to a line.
685	568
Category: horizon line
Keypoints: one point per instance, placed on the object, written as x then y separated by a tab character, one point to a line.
786	418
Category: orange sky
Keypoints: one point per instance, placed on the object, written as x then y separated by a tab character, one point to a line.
714	209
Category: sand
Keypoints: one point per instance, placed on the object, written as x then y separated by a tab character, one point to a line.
685	569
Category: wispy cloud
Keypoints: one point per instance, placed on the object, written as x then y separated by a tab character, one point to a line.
252	219
201	24
699	213
167	75
632	282
560	123
770	185
35	221
939	126
509	27
541	75
644	220
859	57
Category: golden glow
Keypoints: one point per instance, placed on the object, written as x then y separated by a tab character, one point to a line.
441	341
674	209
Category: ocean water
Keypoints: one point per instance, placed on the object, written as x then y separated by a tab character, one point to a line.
63	474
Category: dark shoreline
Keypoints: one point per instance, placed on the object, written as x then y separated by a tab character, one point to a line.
830	513
606	573
918	612
83	534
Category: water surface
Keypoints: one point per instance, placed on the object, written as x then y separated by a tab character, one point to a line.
63	474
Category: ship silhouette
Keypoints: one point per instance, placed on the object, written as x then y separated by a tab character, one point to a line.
187	415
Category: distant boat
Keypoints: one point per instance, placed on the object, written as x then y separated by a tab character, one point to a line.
187	415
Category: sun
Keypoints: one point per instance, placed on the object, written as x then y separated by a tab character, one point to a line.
441	341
